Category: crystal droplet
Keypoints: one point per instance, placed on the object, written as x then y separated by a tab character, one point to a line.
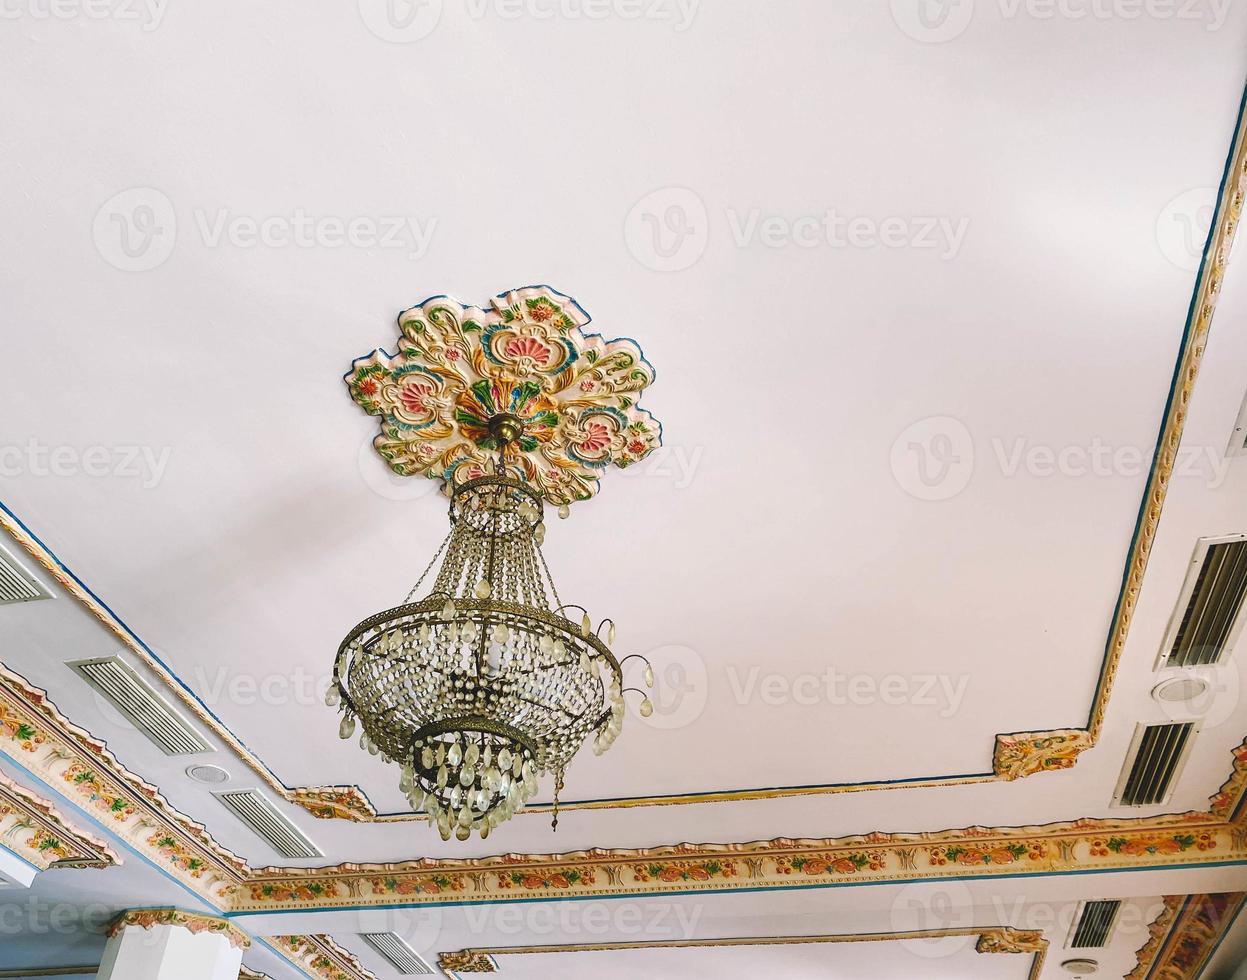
539	534
463	833
442	777
426	758
610	634
649	676
586	626
347	728
332	697
647	708
471	755
564	511
448	610
441	753
501	633
482	589
504	758
455	755
465	778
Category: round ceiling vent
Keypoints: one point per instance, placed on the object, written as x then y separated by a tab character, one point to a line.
213	775
1080	968
1179	690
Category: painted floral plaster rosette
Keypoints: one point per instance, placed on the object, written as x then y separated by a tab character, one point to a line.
527	357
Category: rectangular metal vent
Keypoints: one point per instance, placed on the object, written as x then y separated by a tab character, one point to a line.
17	583
400	954
1153	765
147	710
1095	924
1213	614
254	809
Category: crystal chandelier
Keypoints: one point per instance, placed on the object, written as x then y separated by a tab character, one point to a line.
483	684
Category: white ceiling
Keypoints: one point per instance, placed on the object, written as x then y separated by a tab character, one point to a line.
783	530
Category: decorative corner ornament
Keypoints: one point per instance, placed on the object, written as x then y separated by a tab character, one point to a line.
467	961
1026	753
573	394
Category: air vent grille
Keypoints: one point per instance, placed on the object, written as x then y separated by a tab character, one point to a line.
17	584
1094	924
255	810
1215	607
138	701
1151	771
404	959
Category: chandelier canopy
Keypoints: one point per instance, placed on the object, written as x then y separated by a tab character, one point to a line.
485	683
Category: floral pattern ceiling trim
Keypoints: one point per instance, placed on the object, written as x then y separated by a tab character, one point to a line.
1184	936
320	958
36	831
47	744
528	356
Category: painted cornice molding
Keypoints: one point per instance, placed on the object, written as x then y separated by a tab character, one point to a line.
35	830
193	922
43	741
320	958
37	736
1016	755
988	940
1184	936
245	974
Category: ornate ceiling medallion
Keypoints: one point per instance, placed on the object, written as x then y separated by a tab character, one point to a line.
526	356
484	684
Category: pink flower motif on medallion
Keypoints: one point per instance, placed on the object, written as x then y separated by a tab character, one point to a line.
530	348
596	438
412	397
